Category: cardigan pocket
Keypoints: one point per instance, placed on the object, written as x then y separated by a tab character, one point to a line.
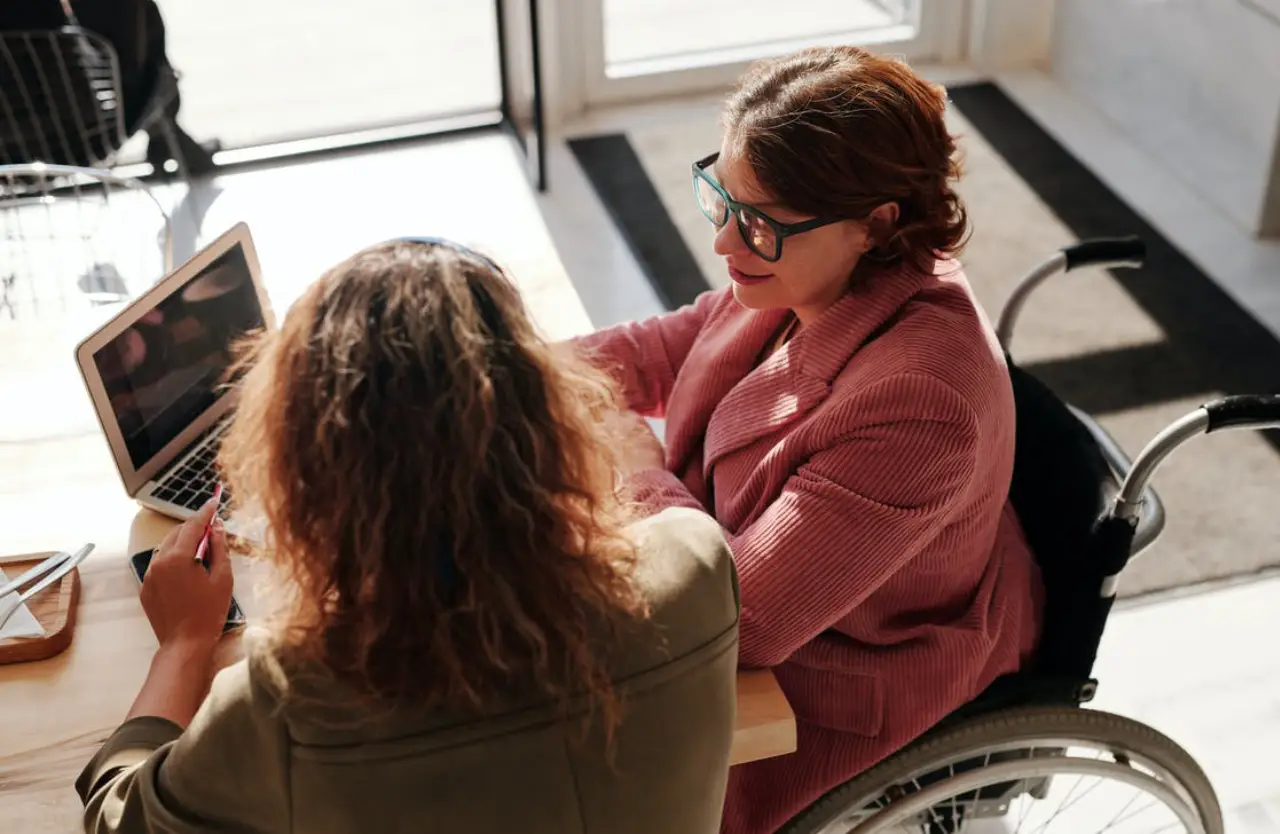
838	699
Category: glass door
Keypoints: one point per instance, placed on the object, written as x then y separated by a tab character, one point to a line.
257	73
636	49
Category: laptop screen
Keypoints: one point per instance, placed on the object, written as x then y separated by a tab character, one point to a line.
167	369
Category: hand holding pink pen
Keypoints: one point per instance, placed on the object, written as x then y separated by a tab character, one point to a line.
203	547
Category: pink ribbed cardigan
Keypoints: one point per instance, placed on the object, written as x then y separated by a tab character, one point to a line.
861	474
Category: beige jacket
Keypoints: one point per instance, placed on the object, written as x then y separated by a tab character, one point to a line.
251	762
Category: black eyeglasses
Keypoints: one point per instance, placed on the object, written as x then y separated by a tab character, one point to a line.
762	234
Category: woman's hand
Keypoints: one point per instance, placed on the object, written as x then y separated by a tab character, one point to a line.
638	447
187	604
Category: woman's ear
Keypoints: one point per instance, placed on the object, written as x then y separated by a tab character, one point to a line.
880	224
886	213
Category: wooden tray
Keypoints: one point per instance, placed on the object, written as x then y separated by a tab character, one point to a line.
54	608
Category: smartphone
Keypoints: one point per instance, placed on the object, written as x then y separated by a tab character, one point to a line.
141	561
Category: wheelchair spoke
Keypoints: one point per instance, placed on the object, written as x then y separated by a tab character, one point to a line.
1124	815
933	814
1174	824
1027	805
1071	798
1065	804
1079	779
955	805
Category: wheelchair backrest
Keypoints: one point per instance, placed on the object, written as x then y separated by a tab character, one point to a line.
1061	490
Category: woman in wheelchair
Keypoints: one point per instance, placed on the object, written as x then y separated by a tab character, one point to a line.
845	412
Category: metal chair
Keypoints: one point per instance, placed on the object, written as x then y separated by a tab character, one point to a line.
68	223
62	103
74	238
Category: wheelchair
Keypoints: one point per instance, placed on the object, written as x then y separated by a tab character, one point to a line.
1026	746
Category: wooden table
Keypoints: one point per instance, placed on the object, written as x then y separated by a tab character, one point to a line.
58	489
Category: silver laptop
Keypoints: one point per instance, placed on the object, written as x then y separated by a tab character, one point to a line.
156	373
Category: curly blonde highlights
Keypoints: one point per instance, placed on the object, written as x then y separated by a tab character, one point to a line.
438	486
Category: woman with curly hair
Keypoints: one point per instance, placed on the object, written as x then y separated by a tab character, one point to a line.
471	630
844	410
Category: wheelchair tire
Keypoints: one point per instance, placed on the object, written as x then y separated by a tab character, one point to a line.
1009	727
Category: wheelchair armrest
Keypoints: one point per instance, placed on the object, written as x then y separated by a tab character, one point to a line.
1152	518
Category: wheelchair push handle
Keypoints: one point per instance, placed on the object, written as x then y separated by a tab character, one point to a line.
1248	411
1110	252
1128	251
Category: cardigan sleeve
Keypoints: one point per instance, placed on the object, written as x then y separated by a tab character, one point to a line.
644	357
225	772
854	514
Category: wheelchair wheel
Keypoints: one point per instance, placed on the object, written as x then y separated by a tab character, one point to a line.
1022	770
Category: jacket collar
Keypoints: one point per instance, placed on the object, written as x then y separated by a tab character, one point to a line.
798	376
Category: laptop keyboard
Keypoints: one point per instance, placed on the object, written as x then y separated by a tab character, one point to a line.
191	483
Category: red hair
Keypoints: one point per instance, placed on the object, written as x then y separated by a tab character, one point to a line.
837	131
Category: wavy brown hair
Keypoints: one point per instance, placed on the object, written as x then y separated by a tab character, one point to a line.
837	131
437	484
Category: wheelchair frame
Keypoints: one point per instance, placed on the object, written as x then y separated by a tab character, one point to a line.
999	743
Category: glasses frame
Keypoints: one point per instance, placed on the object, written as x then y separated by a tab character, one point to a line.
781	230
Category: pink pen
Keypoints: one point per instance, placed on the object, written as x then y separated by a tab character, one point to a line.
208	530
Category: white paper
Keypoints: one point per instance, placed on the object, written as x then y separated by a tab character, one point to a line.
22	623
